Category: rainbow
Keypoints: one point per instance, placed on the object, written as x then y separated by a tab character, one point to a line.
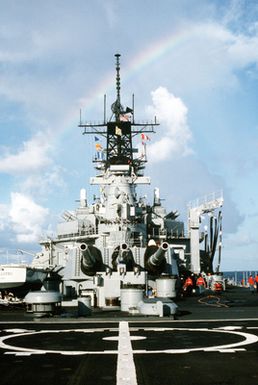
143	59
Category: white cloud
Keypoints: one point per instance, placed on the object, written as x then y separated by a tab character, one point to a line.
48	182
243	51
3	215
26	218
208	58
176	135
32	157
240	247
110	9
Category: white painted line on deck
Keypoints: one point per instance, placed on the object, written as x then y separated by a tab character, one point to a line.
126	373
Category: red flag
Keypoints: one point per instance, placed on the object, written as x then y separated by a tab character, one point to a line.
124	118
144	137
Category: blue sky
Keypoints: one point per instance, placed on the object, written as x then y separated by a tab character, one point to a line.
192	63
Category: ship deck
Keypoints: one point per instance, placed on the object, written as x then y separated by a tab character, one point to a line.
214	340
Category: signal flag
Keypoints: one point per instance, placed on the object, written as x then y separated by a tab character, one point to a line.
118	131
98	147
144	137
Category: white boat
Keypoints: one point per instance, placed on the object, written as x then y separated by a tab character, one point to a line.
16	275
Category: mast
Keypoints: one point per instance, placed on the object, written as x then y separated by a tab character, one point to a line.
118	132
116	106
119	136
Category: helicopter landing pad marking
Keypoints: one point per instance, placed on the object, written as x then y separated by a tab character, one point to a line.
245	339
126	372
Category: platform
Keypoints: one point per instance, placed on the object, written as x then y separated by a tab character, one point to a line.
213	341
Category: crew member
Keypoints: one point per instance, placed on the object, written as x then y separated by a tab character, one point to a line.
188	286
201	284
209	281
256	282
251	283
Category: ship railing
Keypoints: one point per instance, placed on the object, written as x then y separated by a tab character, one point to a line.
14	257
171	234
81	233
175	233
135	242
216	196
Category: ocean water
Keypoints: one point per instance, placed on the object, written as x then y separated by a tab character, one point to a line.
237	276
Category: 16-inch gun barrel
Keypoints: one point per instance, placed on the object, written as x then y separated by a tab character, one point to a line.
123	255
91	259
155	260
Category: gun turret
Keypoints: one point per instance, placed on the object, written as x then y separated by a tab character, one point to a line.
155	261
123	254
91	260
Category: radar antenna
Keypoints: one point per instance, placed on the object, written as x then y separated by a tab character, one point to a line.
119	131
116	107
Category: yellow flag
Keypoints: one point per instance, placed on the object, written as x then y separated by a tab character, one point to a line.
118	131
98	147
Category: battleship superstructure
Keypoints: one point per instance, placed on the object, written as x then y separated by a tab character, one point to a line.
119	245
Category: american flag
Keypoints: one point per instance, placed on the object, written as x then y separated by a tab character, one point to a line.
124	118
